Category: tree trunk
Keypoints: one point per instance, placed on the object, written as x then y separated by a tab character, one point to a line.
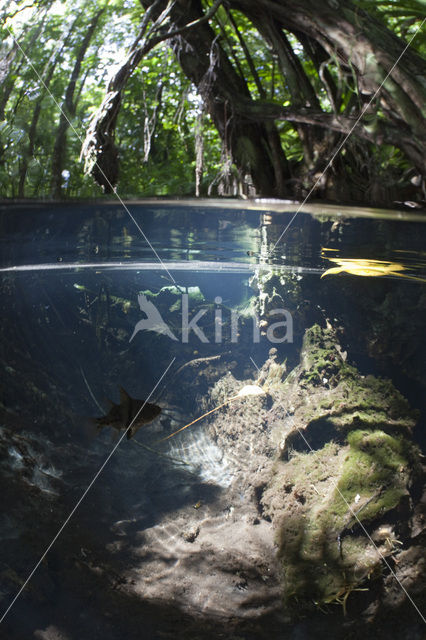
360	41
9	72
336	32
367	49
68	108
254	146
45	81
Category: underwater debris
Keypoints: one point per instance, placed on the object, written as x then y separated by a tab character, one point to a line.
131	414
341	596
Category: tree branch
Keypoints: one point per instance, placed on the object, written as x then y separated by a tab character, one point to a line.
383	133
98	149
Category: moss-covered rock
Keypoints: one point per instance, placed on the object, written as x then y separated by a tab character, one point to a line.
327	397
344	474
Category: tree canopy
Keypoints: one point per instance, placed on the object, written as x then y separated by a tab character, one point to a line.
220	97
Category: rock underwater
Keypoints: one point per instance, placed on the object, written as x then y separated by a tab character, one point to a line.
343	492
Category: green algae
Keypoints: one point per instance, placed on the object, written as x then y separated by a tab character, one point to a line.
326	497
334	398
376	467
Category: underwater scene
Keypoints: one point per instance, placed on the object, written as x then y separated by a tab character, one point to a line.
212	421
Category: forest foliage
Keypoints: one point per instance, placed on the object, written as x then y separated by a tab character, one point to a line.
180	128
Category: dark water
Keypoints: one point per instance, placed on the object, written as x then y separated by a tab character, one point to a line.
70	279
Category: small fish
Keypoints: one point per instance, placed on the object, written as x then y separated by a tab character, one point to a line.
120	416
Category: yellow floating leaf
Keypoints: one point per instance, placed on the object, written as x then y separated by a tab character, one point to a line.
368	268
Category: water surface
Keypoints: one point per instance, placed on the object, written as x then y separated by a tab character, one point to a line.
70	280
